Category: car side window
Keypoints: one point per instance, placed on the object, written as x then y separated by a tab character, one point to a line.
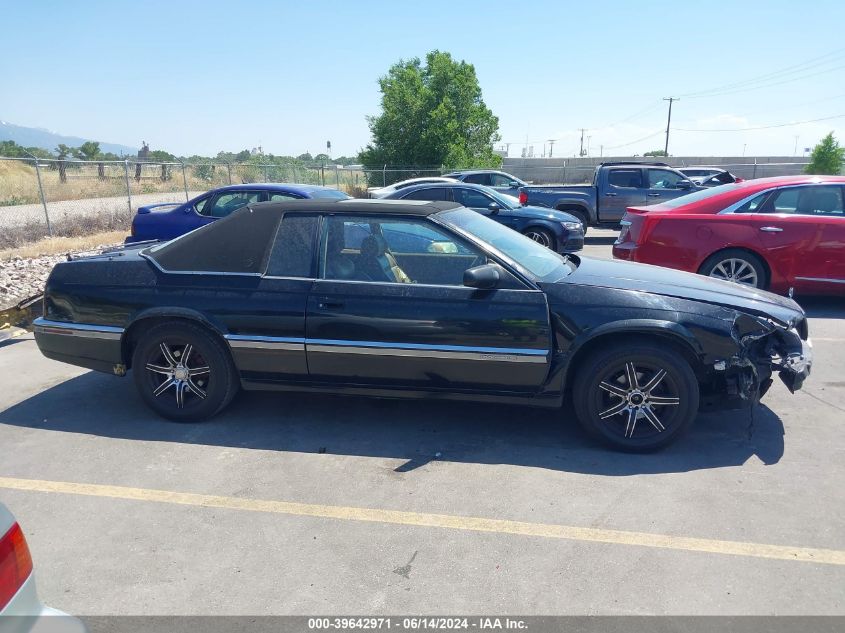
200	204
498	180
753	205
292	253
478	179
228	202
724	178
471	198
822	200
627	178
429	193
395	251
278	196
663	179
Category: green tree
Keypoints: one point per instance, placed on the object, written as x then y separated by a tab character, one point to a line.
305	157
89	150
827	157
432	115
656	152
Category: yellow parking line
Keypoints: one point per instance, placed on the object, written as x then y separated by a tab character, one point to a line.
445	521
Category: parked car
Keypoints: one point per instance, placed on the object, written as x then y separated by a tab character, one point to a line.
501	181
556	230
383	192
171	219
435	301
20	606
775	233
709	176
616	186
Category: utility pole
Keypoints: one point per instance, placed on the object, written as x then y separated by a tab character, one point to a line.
551	146
668	122
588	144
582	152
795	151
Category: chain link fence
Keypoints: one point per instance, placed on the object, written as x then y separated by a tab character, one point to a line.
48	197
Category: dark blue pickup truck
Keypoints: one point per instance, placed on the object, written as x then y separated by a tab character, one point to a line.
616	186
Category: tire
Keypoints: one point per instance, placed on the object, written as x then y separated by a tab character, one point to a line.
736	265
582	218
189	396
630	419
541	236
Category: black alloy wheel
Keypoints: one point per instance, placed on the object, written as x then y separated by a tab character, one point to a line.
182	372
636	397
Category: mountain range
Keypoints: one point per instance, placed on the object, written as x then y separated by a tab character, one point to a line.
45	139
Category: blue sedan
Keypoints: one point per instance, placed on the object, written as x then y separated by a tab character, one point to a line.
169	220
553	229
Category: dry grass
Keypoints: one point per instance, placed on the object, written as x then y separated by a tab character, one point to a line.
60	245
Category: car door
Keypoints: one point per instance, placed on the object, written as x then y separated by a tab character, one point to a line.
663	185
625	188
429	332
790	233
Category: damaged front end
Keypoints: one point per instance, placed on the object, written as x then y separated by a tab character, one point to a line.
765	346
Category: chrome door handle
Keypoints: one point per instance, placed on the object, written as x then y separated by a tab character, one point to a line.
653	195
771	229
610	195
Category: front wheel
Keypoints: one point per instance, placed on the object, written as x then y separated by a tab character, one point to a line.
541	236
636	397
182	372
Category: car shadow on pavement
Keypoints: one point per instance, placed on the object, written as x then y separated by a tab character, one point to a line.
822	308
414	431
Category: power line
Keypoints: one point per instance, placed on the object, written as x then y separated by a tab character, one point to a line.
761	127
652	135
777	74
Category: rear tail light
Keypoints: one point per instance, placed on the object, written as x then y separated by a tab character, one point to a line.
523	197
15	564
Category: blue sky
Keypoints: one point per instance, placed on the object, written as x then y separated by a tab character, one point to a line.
198	77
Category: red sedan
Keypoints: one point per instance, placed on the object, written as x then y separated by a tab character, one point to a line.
771	233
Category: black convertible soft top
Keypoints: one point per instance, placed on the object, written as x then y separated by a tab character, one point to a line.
239	243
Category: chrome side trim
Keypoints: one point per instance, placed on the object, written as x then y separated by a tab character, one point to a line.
425	353
829	281
195	272
274	343
426	346
84	330
378	348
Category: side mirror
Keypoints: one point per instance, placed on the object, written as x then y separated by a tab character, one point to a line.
482	277
494	207
684	184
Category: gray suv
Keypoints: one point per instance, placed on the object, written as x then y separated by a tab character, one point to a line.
501	181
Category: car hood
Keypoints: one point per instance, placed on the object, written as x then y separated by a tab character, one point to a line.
543	213
683	285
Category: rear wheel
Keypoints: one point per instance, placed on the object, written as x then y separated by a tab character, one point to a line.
182	372
541	236
637	397
736	265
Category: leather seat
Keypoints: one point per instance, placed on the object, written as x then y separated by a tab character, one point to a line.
377	263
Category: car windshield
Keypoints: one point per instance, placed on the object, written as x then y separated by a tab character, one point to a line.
698	195
535	260
504	200
331	194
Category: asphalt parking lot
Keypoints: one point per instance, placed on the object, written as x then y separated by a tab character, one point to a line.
298	504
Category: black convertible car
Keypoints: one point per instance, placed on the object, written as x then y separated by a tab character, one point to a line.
422	299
